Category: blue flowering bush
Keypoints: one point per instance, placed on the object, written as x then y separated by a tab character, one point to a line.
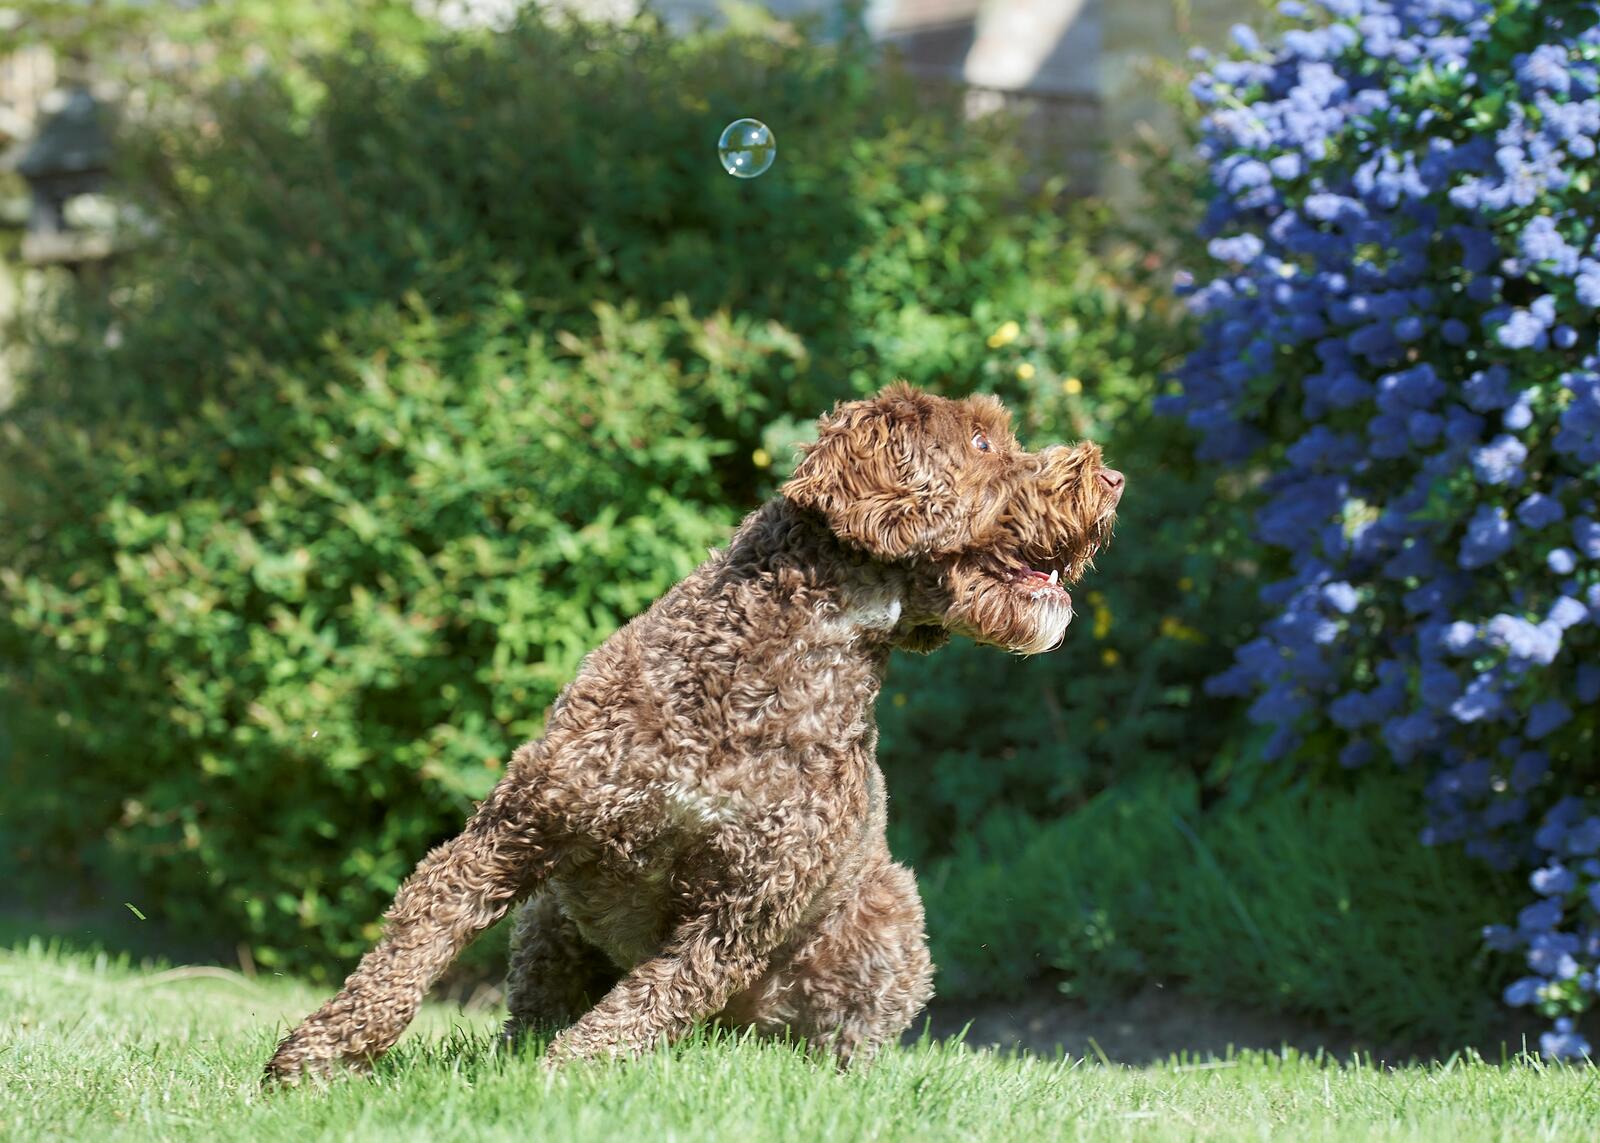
1399	337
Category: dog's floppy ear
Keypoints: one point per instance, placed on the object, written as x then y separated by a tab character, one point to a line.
872	476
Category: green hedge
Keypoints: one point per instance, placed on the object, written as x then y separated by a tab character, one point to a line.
1308	901
450	357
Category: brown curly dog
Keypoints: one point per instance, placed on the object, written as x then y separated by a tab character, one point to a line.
700	832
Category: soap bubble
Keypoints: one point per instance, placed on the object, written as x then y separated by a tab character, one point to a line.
747	148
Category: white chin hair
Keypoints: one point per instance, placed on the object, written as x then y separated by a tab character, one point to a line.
1051	617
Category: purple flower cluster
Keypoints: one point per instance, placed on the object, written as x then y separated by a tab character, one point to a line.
1400	323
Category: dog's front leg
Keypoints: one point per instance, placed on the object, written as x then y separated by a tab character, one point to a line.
709	957
458	890
663	997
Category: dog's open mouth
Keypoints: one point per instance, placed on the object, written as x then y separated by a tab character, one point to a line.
1038	584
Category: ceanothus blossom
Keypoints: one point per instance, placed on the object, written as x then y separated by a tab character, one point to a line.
1409	294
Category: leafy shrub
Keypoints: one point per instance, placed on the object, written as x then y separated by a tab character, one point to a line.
299	631
444	361
1311	902
1399	326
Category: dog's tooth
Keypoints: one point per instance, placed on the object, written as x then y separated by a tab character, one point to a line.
1055	578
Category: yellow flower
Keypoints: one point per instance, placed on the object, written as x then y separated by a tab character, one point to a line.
1005	335
1174	628
1102	620
900	699
762	458
1110	657
1186	584
1101	724
1025	371
1072	386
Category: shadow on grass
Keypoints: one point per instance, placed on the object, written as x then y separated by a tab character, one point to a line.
1161	1023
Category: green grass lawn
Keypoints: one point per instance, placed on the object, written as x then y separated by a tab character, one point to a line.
92	1049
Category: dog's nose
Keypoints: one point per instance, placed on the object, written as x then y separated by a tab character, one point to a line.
1113	480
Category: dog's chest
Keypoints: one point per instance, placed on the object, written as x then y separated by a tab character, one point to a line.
625	896
722	761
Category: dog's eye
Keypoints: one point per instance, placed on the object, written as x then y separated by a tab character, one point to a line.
980	441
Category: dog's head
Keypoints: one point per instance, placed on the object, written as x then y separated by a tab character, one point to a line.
943	485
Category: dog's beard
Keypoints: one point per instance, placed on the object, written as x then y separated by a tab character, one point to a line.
1051	616
1025	614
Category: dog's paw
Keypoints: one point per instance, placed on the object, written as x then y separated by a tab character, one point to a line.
570	1048
598	1045
296	1061
558	1054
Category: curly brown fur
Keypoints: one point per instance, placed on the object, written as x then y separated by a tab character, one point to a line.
699	834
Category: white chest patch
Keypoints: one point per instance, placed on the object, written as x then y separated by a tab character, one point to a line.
697	809
866	614
880	614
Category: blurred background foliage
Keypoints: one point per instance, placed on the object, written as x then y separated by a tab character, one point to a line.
442	353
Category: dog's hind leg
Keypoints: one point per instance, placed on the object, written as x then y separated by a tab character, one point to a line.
555	975
457	891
